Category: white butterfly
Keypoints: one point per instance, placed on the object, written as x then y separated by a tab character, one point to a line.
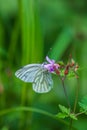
38	75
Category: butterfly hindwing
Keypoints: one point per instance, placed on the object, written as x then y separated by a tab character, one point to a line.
42	82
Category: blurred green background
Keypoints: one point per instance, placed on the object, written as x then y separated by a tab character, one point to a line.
30	30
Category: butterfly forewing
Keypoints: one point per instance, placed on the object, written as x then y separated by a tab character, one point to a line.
28	72
42	82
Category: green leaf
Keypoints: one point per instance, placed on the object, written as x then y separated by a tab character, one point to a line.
64	109
62	72
83	104
61	115
65	112
71	74
72	115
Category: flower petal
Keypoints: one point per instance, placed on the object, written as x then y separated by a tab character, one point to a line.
49	60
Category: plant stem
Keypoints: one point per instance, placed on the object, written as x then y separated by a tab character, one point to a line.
67	99
75	104
28	109
70	126
76	97
65	92
80	113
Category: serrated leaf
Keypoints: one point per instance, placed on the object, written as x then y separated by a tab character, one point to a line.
72	115
61	115
65	112
64	109
83	104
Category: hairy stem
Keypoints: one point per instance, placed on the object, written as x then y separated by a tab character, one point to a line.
75	104
65	92
78	114
76	97
70	126
67	99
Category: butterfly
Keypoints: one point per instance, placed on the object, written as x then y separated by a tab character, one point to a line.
38	75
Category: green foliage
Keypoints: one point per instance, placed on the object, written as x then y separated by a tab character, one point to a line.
64	109
3	52
65	112
83	104
28	29
72	116
71	74
62	42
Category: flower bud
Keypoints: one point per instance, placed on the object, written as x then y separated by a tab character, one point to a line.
66	70
57	72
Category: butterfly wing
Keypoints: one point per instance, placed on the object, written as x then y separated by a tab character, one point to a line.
28	72
43	82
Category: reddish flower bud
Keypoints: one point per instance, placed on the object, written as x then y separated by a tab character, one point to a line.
57	72
66	71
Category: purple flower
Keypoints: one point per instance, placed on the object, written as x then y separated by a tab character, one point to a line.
51	66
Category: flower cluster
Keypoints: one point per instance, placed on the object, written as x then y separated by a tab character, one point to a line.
61	68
